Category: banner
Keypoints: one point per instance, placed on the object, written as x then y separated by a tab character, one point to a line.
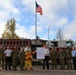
40	53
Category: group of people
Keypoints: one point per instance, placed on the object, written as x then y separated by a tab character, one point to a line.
10	58
64	56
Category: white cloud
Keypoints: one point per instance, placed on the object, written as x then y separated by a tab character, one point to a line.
61	22
29	5
22	31
8	10
3	15
70	30
8	6
2	27
56	13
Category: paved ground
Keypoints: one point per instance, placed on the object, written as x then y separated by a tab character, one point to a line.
39	71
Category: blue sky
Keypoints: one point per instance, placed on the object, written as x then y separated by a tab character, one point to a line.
56	13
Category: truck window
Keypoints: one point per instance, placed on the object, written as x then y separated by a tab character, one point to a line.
68	44
54	44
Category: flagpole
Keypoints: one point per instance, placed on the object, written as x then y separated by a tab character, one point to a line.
35	21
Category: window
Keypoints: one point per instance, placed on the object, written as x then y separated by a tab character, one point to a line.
7	42
68	43
14	42
54	43
4	42
1	42
23	42
20	42
26	42
17	42
10	42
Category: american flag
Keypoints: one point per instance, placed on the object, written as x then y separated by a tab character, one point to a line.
39	9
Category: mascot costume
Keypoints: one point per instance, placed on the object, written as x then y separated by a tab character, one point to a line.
28	58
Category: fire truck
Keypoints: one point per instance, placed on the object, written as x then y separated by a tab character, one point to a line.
60	43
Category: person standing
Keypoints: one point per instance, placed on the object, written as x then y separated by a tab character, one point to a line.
46	59
2	56
15	53
8	53
68	58
74	57
61	56
28	58
53	55
22	59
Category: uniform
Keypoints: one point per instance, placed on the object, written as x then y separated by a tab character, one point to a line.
15	53
61	56
54	58
22	59
68	58
2	57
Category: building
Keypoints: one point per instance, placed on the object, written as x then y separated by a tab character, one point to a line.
37	43
20	43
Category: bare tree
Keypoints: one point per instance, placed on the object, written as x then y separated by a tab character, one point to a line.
59	35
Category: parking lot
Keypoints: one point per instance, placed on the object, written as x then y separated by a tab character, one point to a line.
37	70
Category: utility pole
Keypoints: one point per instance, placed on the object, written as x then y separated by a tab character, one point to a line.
48	34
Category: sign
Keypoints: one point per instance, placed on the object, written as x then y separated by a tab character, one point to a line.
40	53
